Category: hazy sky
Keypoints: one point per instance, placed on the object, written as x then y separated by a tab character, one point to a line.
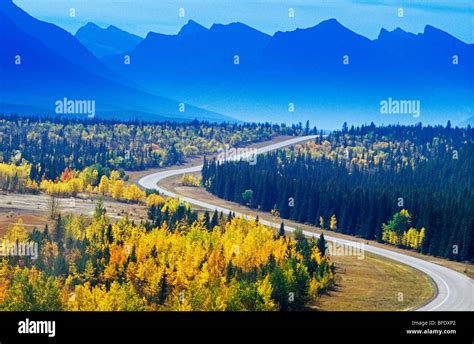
364	17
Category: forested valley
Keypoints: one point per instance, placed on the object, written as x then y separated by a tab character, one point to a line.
176	260
51	145
409	186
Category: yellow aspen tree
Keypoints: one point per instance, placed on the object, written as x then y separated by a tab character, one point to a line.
405	239
321	222
114	176
155	200
333	223
264	289
17	232
134	193
421	236
412	238
118	189
104	185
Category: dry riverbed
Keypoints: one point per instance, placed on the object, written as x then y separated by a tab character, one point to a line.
34	209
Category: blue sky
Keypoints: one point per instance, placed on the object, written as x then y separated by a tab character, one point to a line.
362	16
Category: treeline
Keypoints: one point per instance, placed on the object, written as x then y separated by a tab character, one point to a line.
16	178
51	145
176	261
92	180
356	179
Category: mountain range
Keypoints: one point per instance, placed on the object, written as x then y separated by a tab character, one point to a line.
41	64
327	74
108	41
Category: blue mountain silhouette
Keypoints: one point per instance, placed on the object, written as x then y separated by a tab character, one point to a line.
326	73
40	63
109	41
306	67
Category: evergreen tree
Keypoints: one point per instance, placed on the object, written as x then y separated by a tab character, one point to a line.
214	220
99	210
59	232
281	232
109	234
207	220
322	245
46	232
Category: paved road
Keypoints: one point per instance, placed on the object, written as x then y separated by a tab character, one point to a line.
455	291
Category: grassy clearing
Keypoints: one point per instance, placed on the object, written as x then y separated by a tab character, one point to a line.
375	284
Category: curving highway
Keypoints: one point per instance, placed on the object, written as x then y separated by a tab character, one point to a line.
455	291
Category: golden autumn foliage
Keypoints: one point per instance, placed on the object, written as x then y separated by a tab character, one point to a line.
238	265
28	289
395	232
16	232
15	177
63	188
411	238
190	180
333	223
118	189
71	183
74	182
104	185
154	199
134	194
119	297
190	270
321	222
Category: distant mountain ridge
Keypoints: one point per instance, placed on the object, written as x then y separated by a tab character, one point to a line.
327	73
41	64
108	41
51	36
192	28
